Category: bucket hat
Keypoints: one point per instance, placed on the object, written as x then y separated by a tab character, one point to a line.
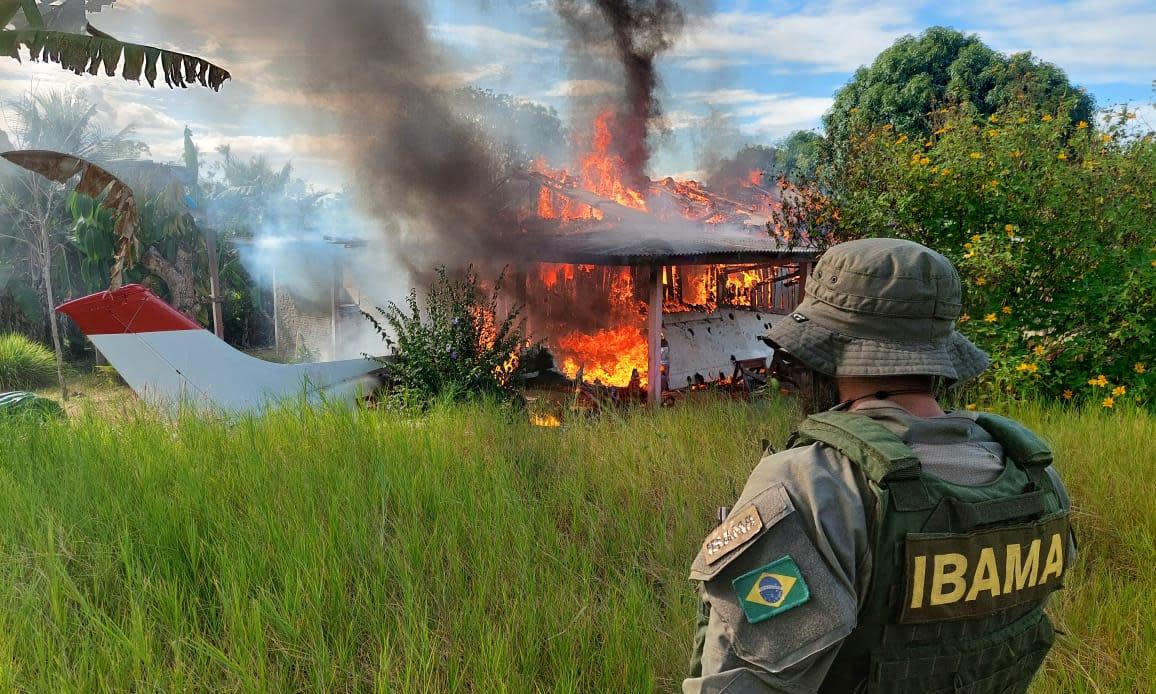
881	307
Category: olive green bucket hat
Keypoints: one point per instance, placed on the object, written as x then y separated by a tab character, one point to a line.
881	307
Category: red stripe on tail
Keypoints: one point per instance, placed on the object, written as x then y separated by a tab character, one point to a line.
130	309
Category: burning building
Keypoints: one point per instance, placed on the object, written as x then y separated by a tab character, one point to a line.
665	277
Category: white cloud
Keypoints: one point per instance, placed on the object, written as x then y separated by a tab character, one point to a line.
711	63
767	114
680	120
1093	40
831	37
485	36
460	78
785	115
142	118
572	88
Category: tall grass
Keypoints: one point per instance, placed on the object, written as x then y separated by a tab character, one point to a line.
24	364
466	550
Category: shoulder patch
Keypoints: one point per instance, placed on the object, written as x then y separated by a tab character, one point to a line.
740	529
771	589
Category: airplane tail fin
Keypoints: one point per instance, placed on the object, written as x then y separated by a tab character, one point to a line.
169	359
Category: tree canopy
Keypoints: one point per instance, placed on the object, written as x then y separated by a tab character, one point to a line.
942	67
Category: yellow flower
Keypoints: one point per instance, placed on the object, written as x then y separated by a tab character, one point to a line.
1027	366
925	161
1068	395
1039	350
1105	138
1100	380
969	255
947	171
1109	402
975	238
992	132
993	183
1081	125
1022	119
1062	155
1007	310
1016	154
989	318
1119	390
971	406
975	155
969	245
980	281
1008	228
1047	118
1154	263
901	139
992	118
1139	367
855	110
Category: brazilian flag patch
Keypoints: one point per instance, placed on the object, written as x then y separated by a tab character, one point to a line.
772	589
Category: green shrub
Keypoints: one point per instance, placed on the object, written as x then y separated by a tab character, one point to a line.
461	348
24	364
1050	224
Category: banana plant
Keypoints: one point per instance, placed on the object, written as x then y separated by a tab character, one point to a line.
113	194
51	33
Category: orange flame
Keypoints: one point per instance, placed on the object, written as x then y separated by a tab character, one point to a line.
611	356
602	171
545	420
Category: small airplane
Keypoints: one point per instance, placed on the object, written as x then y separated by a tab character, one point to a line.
171	361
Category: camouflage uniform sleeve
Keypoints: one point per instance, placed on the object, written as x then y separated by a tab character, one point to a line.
799	577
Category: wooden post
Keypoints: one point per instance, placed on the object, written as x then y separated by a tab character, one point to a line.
654	338
276	313
215	283
333	296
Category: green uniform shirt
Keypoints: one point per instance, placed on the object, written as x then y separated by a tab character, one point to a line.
809	500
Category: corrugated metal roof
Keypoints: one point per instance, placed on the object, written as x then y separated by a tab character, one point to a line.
668	244
626	236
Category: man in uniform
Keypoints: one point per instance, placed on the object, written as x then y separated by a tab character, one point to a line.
893	547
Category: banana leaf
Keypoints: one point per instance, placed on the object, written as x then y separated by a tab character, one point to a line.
81	54
112	193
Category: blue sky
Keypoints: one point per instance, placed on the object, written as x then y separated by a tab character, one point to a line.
767	67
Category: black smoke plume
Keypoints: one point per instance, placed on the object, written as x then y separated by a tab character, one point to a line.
634	33
368	69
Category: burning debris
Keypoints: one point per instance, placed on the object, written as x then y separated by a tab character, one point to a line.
600	250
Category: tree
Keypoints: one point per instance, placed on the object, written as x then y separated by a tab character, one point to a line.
64	122
1050	224
51	33
798	155
940	68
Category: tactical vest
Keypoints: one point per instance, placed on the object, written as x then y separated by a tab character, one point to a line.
960	573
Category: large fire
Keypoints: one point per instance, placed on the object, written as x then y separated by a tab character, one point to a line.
614	352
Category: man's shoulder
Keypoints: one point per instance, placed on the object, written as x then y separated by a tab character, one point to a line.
801	466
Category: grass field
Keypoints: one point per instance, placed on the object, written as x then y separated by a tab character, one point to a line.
467	550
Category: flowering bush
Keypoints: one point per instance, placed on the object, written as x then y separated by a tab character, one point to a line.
1051	224
461	347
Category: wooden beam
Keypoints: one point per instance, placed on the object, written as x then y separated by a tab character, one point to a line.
217	297
654	338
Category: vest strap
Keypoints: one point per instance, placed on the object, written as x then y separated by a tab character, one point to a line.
882	454
1020	443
